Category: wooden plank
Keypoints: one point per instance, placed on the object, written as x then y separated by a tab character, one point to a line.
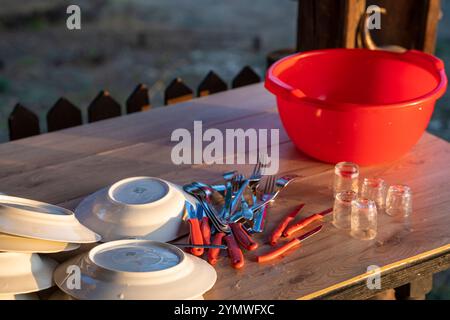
138	100
429	35
320	24
103	107
418	288
245	77
211	84
401	273
63	115
79	142
177	91
22	123
104	168
354	9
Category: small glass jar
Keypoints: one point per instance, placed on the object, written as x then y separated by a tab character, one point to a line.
374	189
364	219
399	201
342	209
346	176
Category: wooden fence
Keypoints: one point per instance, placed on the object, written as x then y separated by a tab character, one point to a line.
64	114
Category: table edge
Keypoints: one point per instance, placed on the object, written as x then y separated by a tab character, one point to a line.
385	269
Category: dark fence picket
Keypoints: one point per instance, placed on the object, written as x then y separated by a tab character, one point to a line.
177	91
138	100
211	84
63	115
245	77
22	123
103	107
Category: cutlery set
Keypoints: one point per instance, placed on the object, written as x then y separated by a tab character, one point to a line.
237	210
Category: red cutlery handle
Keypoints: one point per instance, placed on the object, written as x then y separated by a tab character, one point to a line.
301	224
206	231
278	232
243	237
234	252
213	254
196	236
279	251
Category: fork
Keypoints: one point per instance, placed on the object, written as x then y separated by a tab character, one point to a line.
260	216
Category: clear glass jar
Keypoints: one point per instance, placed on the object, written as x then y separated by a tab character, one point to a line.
342	209
346	176
364	219
399	201
374	189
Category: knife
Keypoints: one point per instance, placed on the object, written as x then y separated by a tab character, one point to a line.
204	246
242	237
305	222
296	242
234	252
278	232
195	232
213	254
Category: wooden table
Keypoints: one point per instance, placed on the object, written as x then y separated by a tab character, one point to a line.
65	166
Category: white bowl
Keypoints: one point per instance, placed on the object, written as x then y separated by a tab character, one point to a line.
39	220
25	272
28	245
137	270
140	207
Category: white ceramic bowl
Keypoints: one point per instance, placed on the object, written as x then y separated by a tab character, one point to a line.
28	245
139	207
25	272
39	220
137	270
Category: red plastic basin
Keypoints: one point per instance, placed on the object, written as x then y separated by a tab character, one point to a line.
356	105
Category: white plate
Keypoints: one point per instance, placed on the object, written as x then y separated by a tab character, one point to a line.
25	272
137	270
28	245
140	207
39	220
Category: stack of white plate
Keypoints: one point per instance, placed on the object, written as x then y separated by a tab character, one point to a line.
134	270
29	229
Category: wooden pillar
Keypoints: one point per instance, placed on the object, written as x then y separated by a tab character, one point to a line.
411	24
328	23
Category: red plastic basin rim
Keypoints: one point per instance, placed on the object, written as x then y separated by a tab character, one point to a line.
285	91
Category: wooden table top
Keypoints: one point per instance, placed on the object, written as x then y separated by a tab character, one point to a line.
63	167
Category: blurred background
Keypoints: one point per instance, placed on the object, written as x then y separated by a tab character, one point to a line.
126	42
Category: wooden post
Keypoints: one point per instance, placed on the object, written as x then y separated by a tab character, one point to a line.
328	23
411	24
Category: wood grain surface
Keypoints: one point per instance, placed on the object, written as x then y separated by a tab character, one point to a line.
65	166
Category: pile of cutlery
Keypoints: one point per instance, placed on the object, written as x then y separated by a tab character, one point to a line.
231	212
